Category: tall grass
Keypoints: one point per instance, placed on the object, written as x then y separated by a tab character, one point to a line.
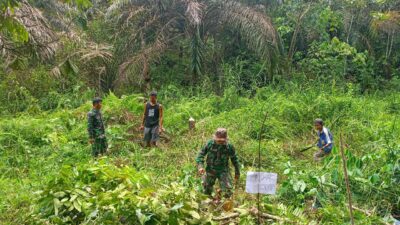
35	151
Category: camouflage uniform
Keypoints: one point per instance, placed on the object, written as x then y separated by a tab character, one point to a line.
217	166
97	132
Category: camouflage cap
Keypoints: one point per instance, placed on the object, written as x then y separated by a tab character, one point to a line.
97	100
153	93
221	134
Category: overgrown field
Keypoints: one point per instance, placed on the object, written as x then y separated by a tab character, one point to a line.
47	175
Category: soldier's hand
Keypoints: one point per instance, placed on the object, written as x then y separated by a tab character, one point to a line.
160	130
91	141
201	171
141	127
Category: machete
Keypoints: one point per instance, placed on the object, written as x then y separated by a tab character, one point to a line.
309	147
305	149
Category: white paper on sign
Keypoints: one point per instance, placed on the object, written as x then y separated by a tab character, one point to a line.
261	182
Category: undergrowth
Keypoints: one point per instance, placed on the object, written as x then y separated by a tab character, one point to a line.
48	176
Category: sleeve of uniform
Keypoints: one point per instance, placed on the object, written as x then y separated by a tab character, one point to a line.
90	125
328	139
234	159
202	154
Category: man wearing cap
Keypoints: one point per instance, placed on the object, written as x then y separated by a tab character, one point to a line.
218	152
97	137
152	122
325	140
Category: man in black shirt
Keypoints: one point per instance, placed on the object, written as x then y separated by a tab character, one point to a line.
152	122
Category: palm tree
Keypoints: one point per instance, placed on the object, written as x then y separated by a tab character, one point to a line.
24	32
24	29
152	26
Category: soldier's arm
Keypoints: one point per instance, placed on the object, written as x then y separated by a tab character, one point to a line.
202	154
234	159
90	125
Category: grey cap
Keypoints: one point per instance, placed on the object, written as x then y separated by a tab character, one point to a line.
153	93
97	100
319	121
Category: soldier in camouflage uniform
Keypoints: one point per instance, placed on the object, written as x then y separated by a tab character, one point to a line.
218	152
96	129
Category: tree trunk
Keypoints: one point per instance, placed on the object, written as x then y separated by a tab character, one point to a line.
292	47
146	68
146	75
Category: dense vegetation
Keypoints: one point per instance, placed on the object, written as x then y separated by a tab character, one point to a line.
224	63
49	175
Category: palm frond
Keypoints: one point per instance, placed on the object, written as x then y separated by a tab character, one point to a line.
56	13
254	26
120	5
194	16
194	12
96	51
385	21
197	52
88	54
146	54
151	52
41	37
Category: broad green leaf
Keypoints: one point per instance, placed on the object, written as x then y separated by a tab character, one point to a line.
57	205
194	214
77	206
374	178
177	206
142	218
73	197
59	194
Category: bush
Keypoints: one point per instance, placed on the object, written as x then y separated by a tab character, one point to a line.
336	60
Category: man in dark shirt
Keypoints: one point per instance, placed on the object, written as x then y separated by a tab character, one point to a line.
152	122
97	137
218	152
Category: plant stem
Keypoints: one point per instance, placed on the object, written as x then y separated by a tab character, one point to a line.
346	179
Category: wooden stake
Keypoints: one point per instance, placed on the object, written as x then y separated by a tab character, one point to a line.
346	177
192	124
259	167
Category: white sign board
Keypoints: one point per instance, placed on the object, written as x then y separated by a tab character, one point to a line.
261	182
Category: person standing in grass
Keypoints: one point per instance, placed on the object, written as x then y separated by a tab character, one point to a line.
325	140
218	152
97	135
152	121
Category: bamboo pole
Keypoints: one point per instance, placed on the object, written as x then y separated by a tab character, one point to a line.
346	179
259	167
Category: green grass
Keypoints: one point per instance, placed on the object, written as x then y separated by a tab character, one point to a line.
47	153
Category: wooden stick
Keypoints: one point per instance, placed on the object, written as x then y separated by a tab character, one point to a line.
231	216
269	216
346	179
366	212
254	211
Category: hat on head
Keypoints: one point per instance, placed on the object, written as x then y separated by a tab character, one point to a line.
97	100
221	134
153	93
